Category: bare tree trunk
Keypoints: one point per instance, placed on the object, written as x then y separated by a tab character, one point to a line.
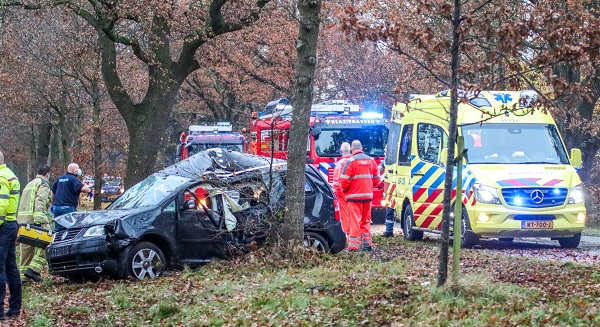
97	155
452	129
43	144
306	49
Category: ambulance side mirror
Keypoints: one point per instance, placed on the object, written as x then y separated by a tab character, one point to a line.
576	160
444	157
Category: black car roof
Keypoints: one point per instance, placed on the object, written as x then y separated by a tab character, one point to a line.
221	162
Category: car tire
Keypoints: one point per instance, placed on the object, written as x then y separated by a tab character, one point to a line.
570	242
316	241
468	239
408	224
145	260
506	239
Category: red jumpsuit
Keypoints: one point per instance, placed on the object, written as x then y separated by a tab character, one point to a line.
359	176
337	188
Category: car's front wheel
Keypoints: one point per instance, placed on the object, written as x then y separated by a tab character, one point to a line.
316	241
145	260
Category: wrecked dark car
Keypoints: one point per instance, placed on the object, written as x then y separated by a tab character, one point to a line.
210	205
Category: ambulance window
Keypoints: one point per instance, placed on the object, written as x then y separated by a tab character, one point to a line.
431	139
404	155
392	144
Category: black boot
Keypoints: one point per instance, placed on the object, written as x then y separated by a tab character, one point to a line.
33	275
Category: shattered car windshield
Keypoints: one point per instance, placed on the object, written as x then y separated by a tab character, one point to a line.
149	192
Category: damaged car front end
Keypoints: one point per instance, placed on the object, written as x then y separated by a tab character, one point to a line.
208	206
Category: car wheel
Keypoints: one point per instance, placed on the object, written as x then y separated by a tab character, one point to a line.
316	241
506	239
407	227
468	239
145	260
570	242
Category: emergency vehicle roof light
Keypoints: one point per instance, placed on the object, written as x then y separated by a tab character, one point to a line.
223	127
528	98
338	106
281	107
371	115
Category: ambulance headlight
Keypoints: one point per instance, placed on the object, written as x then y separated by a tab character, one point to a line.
576	194
486	194
94	231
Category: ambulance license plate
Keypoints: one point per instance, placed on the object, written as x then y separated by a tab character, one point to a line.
537	224
61	251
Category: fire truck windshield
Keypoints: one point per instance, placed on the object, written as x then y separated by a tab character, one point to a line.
195	148
373	140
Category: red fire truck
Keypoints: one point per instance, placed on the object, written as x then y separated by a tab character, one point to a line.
200	138
332	123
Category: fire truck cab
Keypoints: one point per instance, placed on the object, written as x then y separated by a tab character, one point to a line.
200	138
332	123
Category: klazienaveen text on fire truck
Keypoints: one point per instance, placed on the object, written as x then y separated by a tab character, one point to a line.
332	123
518	180
200	138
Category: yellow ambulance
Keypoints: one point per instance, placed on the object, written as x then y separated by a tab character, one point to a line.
518	180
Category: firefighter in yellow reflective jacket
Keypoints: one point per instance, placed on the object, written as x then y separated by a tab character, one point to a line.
33	209
9	272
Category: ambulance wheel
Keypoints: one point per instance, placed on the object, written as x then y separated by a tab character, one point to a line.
468	239
407	227
570	242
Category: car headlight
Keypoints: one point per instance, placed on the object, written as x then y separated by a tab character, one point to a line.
485	194
94	231
576	194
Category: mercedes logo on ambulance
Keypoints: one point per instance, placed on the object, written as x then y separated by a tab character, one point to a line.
537	196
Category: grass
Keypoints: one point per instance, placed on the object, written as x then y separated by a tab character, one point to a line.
591	231
394	286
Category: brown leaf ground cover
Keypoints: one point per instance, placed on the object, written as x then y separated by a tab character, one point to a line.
393	286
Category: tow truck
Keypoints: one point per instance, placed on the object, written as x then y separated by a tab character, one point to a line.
203	137
332	123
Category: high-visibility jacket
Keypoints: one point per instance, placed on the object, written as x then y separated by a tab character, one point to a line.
337	171
9	194
359	176
35	202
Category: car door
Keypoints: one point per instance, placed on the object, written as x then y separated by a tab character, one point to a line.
199	234
428	174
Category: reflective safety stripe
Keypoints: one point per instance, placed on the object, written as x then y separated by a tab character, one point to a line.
4	196
344	176
15	191
353	243
366	239
389	221
358	195
366	176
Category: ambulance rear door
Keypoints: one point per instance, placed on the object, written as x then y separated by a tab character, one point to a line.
427	174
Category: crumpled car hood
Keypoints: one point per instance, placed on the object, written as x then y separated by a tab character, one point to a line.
81	219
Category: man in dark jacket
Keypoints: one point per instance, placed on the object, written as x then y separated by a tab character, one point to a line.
66	192
359	176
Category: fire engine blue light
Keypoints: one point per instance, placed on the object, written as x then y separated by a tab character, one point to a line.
518	201
556	191
371	115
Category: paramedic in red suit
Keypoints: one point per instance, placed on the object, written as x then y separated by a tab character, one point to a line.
359	176
337	188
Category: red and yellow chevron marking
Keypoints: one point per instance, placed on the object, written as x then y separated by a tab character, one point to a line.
389	189
429	214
